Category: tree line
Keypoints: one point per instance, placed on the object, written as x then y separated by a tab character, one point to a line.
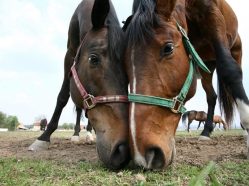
8	121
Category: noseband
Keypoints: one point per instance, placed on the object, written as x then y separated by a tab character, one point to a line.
90	101
176	104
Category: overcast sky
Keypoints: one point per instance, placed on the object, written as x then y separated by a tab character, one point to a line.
33	38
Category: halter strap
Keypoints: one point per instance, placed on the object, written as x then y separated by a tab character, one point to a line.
176	104
89	101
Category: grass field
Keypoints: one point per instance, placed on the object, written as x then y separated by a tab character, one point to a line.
14	171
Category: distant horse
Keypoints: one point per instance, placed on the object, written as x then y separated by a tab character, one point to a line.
201	116
163	66
94	66
43	124
217	120
192	115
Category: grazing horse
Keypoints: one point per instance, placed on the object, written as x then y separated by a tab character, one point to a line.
162	67
219	120
216	120
95	78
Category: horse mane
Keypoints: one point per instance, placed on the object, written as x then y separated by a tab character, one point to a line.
145	19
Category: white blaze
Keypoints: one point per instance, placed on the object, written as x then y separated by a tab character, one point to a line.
139	159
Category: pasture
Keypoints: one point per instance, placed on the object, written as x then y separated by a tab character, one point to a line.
66	163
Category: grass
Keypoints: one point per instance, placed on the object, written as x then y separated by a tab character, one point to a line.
48	172
30	172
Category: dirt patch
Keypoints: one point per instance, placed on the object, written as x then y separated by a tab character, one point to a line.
219	149
188	150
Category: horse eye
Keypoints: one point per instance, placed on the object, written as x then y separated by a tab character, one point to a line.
167	49
93	59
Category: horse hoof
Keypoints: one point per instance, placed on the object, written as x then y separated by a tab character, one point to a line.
75	138
204	138
89	138
39	145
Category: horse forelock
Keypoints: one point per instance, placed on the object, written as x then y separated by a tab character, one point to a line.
115	39
145	19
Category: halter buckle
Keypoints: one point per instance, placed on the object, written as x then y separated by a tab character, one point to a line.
176	105
89	102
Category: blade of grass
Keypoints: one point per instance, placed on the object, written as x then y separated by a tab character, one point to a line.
199	180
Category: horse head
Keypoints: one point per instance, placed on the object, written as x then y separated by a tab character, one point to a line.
159	69
99	68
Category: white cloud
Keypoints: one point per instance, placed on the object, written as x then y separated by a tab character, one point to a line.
33	38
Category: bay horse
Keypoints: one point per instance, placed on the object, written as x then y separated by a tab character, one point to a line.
201	116
194	115
163	66
94	65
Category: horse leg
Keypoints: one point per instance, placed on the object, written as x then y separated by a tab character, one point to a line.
199	124
43	141
76	136
211	100
89	135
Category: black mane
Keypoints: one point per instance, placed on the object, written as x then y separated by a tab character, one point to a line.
145	19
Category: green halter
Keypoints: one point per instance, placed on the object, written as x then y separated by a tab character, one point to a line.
176	104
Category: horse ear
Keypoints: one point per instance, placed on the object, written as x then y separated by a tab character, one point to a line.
127	22
165	7
100	11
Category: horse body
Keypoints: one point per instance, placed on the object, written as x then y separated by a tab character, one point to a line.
192	115
220	49
158	64
94	49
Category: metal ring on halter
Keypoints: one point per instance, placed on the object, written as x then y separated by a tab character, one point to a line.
89	102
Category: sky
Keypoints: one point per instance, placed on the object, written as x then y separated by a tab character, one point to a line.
33	39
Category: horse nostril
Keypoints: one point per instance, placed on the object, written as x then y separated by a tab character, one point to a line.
120	156
155	158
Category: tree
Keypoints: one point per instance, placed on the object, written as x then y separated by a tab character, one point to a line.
12	122
2	120
67	126
9	122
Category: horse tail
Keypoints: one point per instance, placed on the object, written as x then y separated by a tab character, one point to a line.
184	117
227	103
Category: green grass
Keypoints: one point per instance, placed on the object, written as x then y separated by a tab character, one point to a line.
18	172
196	133
30	172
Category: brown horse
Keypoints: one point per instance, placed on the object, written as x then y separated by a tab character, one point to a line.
162	67
192	115
216	120
201	116
95	59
